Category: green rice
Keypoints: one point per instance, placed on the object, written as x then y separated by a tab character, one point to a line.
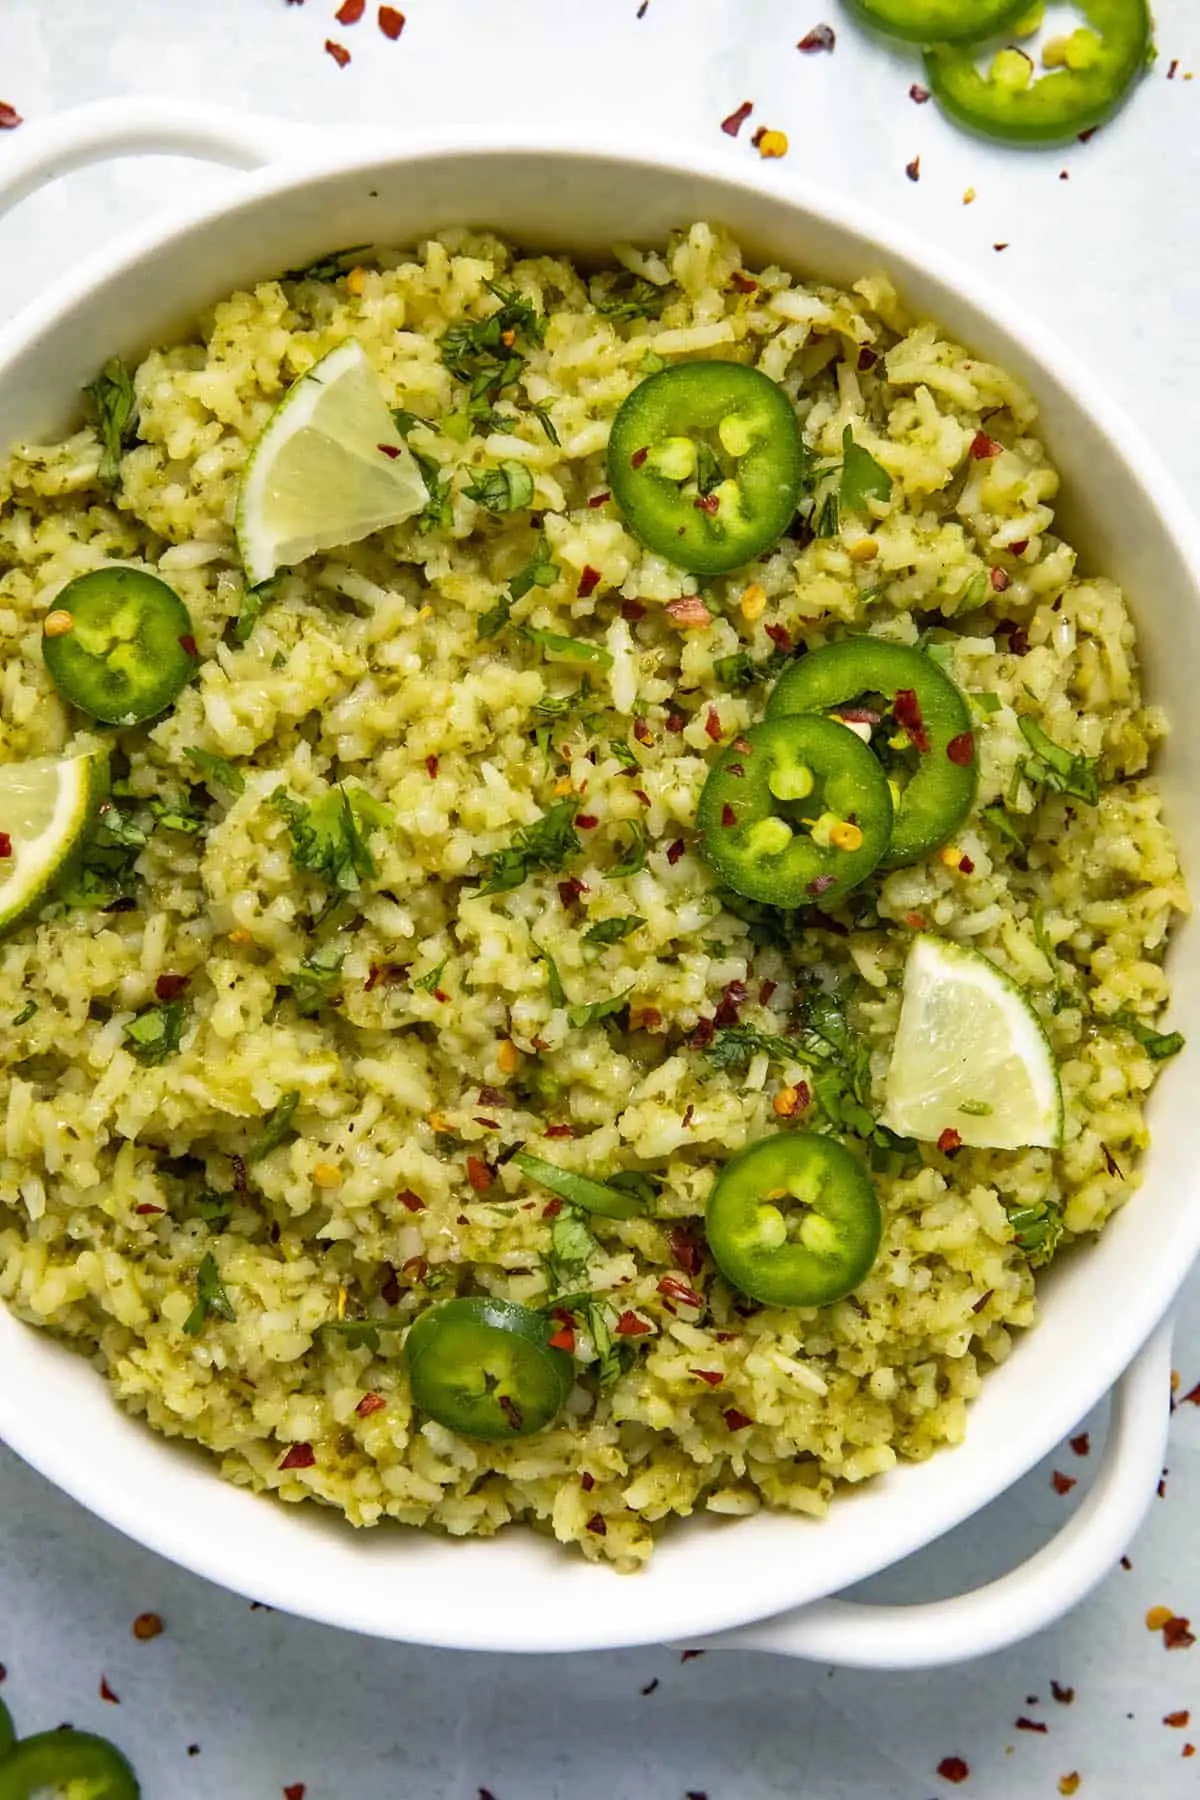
366	666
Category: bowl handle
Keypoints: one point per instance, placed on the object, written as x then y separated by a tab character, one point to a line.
40	153
1027	1599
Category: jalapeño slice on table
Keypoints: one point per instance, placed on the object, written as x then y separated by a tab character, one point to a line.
118	644
940	21
706	461
794	1220
926	724
66	1763
795	810
1090	74
8	1735
486	1368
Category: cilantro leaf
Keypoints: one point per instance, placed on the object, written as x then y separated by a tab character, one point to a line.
546	844
210	1297
591	1013
611	931
733	1047
1000	823
506	488
572	1247
1056	770
406	421
624	753
250	611
26	1013
482	354
566	649
540	571
105	874
862	477
277	1128
1037	1229
177	815
1160	1046
329	267
554	986
365	1332
437	514
157	1032
216	769
329	838
735	671
114	409
432	978
629	296
634	859
316	980
612	1357
215	1210
542	415
828	519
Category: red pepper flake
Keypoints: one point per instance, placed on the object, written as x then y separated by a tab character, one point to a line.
597	1525
564	1339
1176	1635
949	1140
552	1208
645	1018
389	450
984	447
671	1288
867	358
1192	1397
1000	579
588	581
1018	640
914	921
391	22
729	817
766	989
600	499
780	636
642	795
1085	137
431	767
686	1253
713	1377
298	1456
1177	1720
1081	1444
478	1174
1062	1484
106	1692
712	725
631	1324
10	118
639	457
745	284
511	1411
169	987
339	52
821	37
1188	1750
642	732
350	12
570	890
298	1790
147	1626
999	246
675	722
5	844
966	866
586	821
370	1403
732	999
146	1206
913	169
587	1482
688	612
1174	69
488	1124
821	884
687	1656
737	118
1024	1724
188	645
743	746
675	850
632	611
918	93
389	1287
1019	548
953	1768
961	749
703	1035
1064	1695
907	709
650	1687
735	1420
559	1131
707	503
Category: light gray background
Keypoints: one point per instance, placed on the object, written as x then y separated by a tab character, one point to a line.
1110	258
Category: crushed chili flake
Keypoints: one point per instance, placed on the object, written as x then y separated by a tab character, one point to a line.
370	1403
297	1790
918	93
600	499
821	884
689	612
1173	69
907	709
570	890
1019	547
729	817
1157	1617
688	1116
765	990
650	1687
597	1525
630	1324
552	1208
589	580
913	169
642	795
966	866
732	999
867	358
780	636
106	1692
999	246
642	732
350	12
1176	1635
983	447
169	987
560	1131
953	1768
1085	137
675	850
1062	1484
1000	579
961	749
587	1482
712	725
564	1339
586	821
389	1287
10	118
821	37
949	1140
479	1174
241	1180
1081	1444
1024	1724
1018	640
188	645
673	1289
690	1655
632	611
147	1626
431	767
713	1377
512	1412
5	844
745	284
707	503
339	52
686	1253
1064	1695
147	1206
735	1420
1188	1750
639	457
391	22
737	118
1177	1720
675	722
298	1456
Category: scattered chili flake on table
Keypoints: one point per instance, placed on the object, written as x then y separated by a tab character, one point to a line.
1062	1484
913	169
1176	1635
999	246
106	1692
1081	1444
1157	1617
391	22
339	52
1192	1397
146	1626
953	1768
350	12
650	1687
295	1792
10	118
1024	1724
918	93
1064	1695
1177	1720
1188	1750
1085	137
821	37
1069	1784
737	118
689	1655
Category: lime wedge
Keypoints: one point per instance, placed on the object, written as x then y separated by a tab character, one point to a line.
330	468
970	1055
45	808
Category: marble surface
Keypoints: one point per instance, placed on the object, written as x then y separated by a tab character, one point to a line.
234	1703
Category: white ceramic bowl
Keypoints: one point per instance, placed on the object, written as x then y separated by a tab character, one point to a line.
519	1592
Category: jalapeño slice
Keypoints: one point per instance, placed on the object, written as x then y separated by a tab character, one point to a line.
485	1368
794	1220
796	810
118	644
705	460
940	21
66	1763
924	722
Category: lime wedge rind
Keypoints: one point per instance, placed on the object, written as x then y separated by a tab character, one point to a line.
46	806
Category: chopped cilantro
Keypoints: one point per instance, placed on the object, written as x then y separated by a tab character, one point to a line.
176	815
592	1012
624	753
432	978
1000	823
1037	1229
114	409
634	859
250	611
629	296
364	1333
733	1047
862	477
316	980
215	1210
506	488
566	649
406	421
277	1128
554	986
330	267
985	703
157	1032
1158	1045
210	1297
1056	770
540	571
105	873
612	931
546	844
26	1013
329	838
735	671
827	520
572	1247
216	770
482	353
612	1357
437	514
542	415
